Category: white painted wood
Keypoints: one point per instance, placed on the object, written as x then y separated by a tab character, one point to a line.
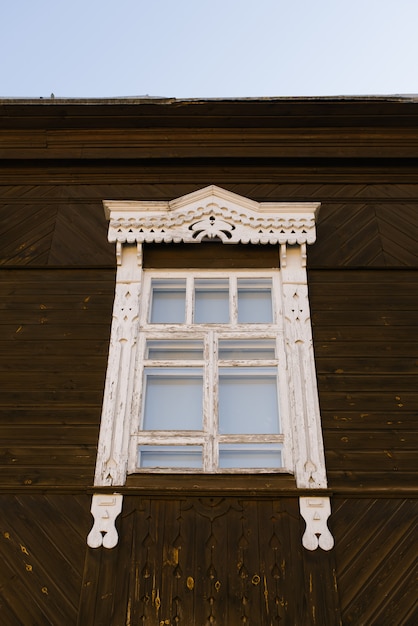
212	213
308	450
105	508
316	511
112	456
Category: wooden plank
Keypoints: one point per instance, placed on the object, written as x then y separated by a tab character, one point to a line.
393	439
376	420
56	380
369	364
372	460
359	382
48	456
50	476
68	423
38	434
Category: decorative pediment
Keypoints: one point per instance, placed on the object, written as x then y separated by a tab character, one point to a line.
212	213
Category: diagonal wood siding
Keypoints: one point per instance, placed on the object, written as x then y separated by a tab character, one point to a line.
377	560
64	225
42	546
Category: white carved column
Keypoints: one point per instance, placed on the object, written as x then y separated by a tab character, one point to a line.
308	449
309	462
113	440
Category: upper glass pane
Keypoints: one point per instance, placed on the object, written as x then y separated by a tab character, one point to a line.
173	398
254	301
248	400
168	301
165	350
240	349
211	301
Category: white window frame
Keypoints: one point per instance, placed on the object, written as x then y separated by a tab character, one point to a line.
210	334
214	213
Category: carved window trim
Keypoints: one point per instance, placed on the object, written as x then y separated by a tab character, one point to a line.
214	213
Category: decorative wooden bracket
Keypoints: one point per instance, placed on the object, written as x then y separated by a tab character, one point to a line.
316	511
105	508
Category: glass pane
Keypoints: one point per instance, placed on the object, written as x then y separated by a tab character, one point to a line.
247	349
254	301
242	455
211	301
170	456
173	399
166	349
248	400
168	301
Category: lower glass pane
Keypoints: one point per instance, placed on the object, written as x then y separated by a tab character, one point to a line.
250	456
170	457
173	398
248	402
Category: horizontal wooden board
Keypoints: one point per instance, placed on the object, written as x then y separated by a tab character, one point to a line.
57	380
371	420
362	439
42	429
367	365
70	416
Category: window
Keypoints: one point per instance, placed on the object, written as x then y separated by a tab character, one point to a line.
210	355
211	370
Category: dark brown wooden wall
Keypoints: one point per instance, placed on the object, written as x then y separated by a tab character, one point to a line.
57	164
365	326
55	327
54	337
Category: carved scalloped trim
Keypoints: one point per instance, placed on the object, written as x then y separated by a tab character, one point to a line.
219	215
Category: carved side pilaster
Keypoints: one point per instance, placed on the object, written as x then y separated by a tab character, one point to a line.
113	441
309	461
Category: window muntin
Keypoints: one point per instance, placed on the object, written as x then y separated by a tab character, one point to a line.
211	394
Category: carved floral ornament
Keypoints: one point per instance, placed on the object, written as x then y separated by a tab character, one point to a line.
208	214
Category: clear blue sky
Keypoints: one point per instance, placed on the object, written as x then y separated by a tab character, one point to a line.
208	48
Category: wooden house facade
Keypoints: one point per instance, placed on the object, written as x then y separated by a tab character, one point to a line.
201	549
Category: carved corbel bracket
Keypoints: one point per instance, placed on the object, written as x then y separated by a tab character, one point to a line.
105	508
316	511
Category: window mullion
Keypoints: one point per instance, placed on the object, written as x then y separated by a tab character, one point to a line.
209	418
233	300
189	299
